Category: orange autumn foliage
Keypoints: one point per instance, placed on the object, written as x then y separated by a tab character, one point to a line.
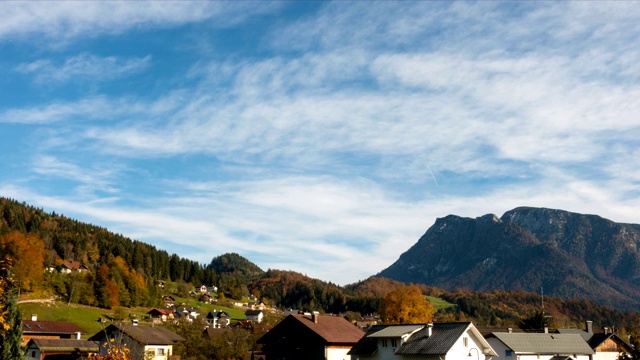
27	254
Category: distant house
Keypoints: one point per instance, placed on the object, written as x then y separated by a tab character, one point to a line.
41	349
540	346
258	305
202	288
159	316
186	313
169	301
606	345
212	289
443	341
254	315
38	329
218	319
310	337
72	266
208	298
145	343
161	284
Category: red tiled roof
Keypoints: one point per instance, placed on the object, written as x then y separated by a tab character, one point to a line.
50	327
333	329
160	311
73	265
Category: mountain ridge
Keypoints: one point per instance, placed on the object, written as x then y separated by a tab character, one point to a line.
567	254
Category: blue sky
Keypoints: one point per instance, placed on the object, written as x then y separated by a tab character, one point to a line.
319	137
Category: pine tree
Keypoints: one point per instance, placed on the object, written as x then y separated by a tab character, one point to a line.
11	335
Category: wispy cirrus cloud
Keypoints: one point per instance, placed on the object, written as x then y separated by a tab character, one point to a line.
348	130
83	67
62	21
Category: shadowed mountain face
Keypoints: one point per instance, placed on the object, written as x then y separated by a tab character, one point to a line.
570	255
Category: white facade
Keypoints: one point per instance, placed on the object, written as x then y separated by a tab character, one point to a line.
337	353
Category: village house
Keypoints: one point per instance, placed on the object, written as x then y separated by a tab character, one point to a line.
145	343
437	341
540	346
158	316
218	319
169	301
71	349
72	266
38	329
606	345
311	338
254	315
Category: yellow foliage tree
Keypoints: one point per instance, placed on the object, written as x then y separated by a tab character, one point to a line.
406	305
27	254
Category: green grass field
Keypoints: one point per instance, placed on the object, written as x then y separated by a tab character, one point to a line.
86	317
439	304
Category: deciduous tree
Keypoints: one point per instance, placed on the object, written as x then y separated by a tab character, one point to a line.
406	305
26	251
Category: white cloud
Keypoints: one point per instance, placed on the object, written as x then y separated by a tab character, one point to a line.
83	66
362	125
62	21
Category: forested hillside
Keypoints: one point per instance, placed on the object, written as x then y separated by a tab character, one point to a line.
123	272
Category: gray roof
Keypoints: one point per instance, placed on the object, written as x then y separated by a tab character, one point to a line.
395	331
537	343
64	345
585	335
442	339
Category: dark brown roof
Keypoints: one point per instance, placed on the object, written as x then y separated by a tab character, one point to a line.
211	332
65	345
143	334
73	265
50	327
159	311
332	329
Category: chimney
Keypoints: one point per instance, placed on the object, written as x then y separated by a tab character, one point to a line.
78	335
510	330
546	330
429	329
605	329
34	317
589	326
314	317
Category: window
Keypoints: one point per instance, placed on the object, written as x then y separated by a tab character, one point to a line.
394	342
384	342
465	341
33	354
160	352
508	352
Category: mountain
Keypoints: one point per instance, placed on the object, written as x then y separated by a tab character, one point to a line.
566	254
